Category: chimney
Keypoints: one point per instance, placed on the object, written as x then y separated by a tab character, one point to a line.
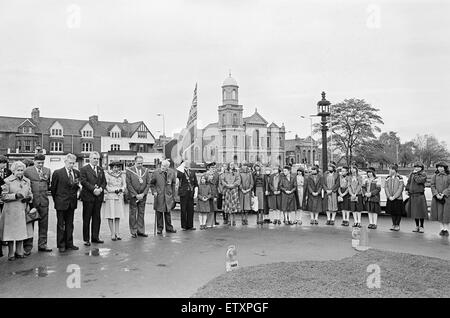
35	114
125	121
93	119
296	137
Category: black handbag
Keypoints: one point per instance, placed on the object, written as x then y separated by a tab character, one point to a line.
32	215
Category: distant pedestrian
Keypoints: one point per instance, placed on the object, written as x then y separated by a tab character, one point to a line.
371	192
355	191
114	208
440	205
394	186
344	196
203	204
330	189
416	208
314	187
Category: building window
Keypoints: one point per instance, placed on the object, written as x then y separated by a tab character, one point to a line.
196	155
56	132
142	134
235	120
224	119
224	140
235	141
213	138
268	142
115	147
233	94
141	148
86	147
27	130
224	94
56	146
257	138
116	134
27	144
87	133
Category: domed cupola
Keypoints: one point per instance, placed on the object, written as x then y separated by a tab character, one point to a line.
230	90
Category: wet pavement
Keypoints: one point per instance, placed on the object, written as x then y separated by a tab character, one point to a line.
176	265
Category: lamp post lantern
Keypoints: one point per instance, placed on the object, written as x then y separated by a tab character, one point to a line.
323	110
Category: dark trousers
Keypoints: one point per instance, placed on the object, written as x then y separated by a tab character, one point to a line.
167	221
43	229
64	228
396	219
136	216
187	212
1	243
91	211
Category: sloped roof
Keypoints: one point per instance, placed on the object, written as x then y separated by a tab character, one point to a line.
256	118
71	126
273	125
291	144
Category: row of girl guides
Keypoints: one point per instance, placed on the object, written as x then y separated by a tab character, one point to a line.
281	195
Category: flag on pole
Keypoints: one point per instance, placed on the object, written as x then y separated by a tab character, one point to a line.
189	134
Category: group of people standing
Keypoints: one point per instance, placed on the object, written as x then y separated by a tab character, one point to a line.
275	194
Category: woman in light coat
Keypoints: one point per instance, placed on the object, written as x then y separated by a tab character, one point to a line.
114	206
16	195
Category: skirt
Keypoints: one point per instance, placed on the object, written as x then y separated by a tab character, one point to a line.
13	225
357	206
275	202
395	207
113	209
440	211
315	204
345	204
416	207
260	195
373	207
230	200
299	198
288	202
245	201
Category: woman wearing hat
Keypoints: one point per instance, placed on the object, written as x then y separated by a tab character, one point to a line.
245	193
114	207
356	199
330	188
230	184
288	186
344	196
371	192
314	188
393	187
440	205
416	207
259	186
275	195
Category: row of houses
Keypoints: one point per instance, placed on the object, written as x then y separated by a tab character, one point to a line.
22	137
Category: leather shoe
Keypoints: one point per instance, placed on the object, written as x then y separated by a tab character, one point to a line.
98	241
171	231
133	235
61	249
192	229
87	243
73	248
44	249
159	232
26	254
142	234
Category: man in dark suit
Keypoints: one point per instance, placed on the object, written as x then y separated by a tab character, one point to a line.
4	173
186	190
64	189
93	180
39	177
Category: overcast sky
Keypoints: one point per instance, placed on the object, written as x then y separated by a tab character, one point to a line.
133	59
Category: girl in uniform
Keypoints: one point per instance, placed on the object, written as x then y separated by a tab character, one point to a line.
330	188
371	192
393	187
355	191
344	197
440	205
275	195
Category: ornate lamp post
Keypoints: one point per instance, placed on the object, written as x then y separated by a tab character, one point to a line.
323	110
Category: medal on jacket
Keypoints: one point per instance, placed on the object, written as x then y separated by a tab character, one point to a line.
141	180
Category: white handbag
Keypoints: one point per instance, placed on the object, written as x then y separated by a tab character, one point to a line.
255	203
